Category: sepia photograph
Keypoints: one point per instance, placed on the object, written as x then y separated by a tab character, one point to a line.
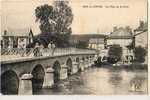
74	47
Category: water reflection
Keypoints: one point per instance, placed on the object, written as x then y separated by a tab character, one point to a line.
136	84
115	77
101	81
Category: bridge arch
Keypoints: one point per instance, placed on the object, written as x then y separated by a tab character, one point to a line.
69	66
38	77
57	68
9	83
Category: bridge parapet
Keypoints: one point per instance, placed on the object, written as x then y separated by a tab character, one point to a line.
15	53
30	72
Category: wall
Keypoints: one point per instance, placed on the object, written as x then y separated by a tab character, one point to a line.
141	39
121	42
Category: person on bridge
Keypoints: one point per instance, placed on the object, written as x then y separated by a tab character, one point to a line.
52	46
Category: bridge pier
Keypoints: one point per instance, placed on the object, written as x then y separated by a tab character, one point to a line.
25	84
48	78
86	64
81	65
90	62
63	72
74	67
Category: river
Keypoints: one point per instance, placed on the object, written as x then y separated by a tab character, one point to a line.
102	81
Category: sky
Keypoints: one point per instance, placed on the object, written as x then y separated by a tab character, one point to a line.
90	16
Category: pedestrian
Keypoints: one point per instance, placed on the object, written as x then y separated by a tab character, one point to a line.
53	48
50	45
41	47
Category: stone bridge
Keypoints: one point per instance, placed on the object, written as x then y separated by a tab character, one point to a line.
27	75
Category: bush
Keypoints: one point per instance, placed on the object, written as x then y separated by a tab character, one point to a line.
82	44
139	54
115	54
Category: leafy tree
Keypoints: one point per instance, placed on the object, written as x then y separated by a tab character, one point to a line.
143	26
115	53
63	17
55	22
82	44
43	14
128	29
139	53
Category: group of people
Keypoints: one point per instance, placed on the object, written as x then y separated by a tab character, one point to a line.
38	49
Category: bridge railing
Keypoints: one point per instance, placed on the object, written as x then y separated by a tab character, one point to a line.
45	51
17	51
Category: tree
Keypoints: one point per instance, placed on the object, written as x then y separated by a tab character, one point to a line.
55	22
63	17
115	53
43	14
129	29
82	44
143	26
139	53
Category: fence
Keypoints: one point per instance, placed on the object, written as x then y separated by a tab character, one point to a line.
45	52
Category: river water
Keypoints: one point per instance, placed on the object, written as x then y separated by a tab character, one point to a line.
102	81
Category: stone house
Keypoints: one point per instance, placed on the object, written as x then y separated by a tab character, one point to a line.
16	38
123	37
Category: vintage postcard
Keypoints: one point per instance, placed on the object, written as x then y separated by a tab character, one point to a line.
74	47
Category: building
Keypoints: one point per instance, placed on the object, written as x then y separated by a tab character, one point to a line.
123	37
95	41
141	39
16	38
141	35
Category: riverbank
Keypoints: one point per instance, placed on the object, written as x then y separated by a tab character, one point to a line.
133	66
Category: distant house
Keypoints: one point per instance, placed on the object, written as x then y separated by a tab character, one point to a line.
141	35
123	37
141	38
95	41
16	38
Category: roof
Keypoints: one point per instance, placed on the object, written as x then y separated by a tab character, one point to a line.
121	33
24	32
140	32
143	27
